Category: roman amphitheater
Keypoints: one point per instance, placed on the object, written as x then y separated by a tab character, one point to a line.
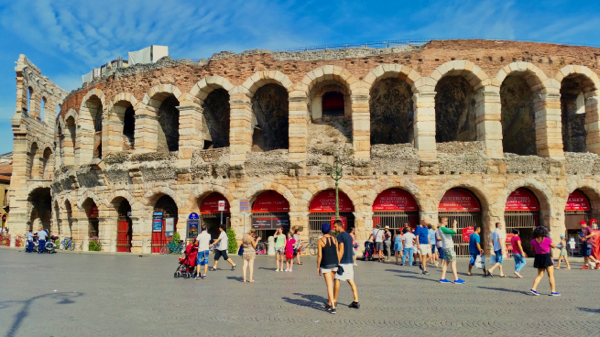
479	131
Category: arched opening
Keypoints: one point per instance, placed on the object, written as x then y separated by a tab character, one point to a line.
124	227
126	117
333	104
69	220
33	153
331	114
518	116
212	217
270	212
455	119
578	208
391	108
29	96
322	209
461	205
573	115
522	212
69	141
42	109
216	112
47	166
168	119
394	208
41	210
92	109
270	124
91	210
164	222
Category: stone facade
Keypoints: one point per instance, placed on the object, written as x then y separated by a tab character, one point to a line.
457	89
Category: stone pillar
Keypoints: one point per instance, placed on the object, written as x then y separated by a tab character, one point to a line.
240	133
488	119
592	122
146	131
68	150
84	144
297	220
190	129
181	226
298	126
361	126
112	135
141	241
18	197
424	125
548	123
107	227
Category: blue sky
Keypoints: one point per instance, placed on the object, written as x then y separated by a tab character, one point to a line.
66	39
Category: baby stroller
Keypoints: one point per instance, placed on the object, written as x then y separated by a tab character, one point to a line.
369	250
187	264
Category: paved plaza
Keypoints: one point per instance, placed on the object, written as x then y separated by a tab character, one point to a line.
69	294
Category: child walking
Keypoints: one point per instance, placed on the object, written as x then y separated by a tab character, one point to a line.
563	252
289	252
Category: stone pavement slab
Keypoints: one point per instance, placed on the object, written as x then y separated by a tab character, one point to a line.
128	295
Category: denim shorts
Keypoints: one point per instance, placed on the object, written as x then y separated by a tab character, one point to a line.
202	259
473	258
499	256
584	250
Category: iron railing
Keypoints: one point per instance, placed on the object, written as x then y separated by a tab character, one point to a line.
315	220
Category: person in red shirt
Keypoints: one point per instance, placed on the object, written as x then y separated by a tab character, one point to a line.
517	252
586	245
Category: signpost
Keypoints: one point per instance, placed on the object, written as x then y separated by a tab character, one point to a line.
221	209
192	225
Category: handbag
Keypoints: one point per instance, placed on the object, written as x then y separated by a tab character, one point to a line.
241	250
340	270
480	262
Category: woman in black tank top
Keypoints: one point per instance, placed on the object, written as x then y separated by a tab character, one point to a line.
328	259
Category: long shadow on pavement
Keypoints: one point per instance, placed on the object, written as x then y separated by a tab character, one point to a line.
310	301
594	311
506	290
62	298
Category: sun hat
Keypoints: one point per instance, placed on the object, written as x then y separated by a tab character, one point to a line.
582	222
562	236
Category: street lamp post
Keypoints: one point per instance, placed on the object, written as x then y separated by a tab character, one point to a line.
336	173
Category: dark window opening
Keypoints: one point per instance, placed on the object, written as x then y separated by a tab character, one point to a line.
518	117
454	110
168	118
333	104
391	109
271	109
216	114
129	126
572	104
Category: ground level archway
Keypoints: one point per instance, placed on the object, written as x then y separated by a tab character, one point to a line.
322	209
394	208
578	208
164	222
124	227
270	212
522	212
91	210
212	217
463	206
41	211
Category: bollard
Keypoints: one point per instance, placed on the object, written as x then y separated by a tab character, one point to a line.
271	245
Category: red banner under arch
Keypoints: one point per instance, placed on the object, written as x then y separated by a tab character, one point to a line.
522	199
210	205
270	202
577	202
324	202
395	200
459	200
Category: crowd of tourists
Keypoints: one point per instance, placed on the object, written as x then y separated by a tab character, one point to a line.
428	244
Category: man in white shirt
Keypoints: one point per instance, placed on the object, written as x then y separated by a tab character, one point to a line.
499	240
42	234
377	236
203	251
222	246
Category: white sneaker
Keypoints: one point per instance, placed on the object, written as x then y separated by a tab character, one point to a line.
276	269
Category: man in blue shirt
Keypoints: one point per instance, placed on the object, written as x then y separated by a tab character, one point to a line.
29	242
42	234
475	249
423	245
432	241
347	263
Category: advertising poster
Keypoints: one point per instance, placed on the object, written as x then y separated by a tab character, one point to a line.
169	226
157	219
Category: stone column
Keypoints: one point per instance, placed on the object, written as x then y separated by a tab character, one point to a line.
107	227
424	125
298	128
548	123
488	117
141	242
592	122
19	214
190	129
361	126
300	219
146	131
240	133
112	135
68	151
84	144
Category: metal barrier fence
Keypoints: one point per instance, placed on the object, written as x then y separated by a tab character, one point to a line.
315	220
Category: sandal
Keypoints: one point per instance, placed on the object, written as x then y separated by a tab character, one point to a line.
299	263
503	275
251	281
490	275
470	274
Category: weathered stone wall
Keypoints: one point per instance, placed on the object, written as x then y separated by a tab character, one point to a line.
391	112
518	117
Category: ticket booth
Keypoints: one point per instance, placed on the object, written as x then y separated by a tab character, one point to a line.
322	210
578	208
212	217
522	212
270	212
462	205
394	208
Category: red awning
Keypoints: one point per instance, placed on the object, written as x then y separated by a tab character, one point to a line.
577	202
210	205
395	200
324	202
522	200
459	200
270	202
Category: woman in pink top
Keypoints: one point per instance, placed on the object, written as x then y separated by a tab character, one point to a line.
542	245
518	253
289	251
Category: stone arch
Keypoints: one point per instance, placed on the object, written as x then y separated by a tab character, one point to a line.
398	71
155	96
588	187
261	78
69	139
384	185
122	194
39	206
329	184
329	72
253	192
476	77
579	98
203	190
89	123
153	194
481	194
214	93
162	103
120	123
536	78
539	189
47	162
204	87
90	194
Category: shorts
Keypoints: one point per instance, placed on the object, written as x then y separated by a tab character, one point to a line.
449	255
584	250
202	258
425	249
473	258
348	272
542	261
499	256
280	250
563	251
329	270
432	249
378	246
219	253
441	250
